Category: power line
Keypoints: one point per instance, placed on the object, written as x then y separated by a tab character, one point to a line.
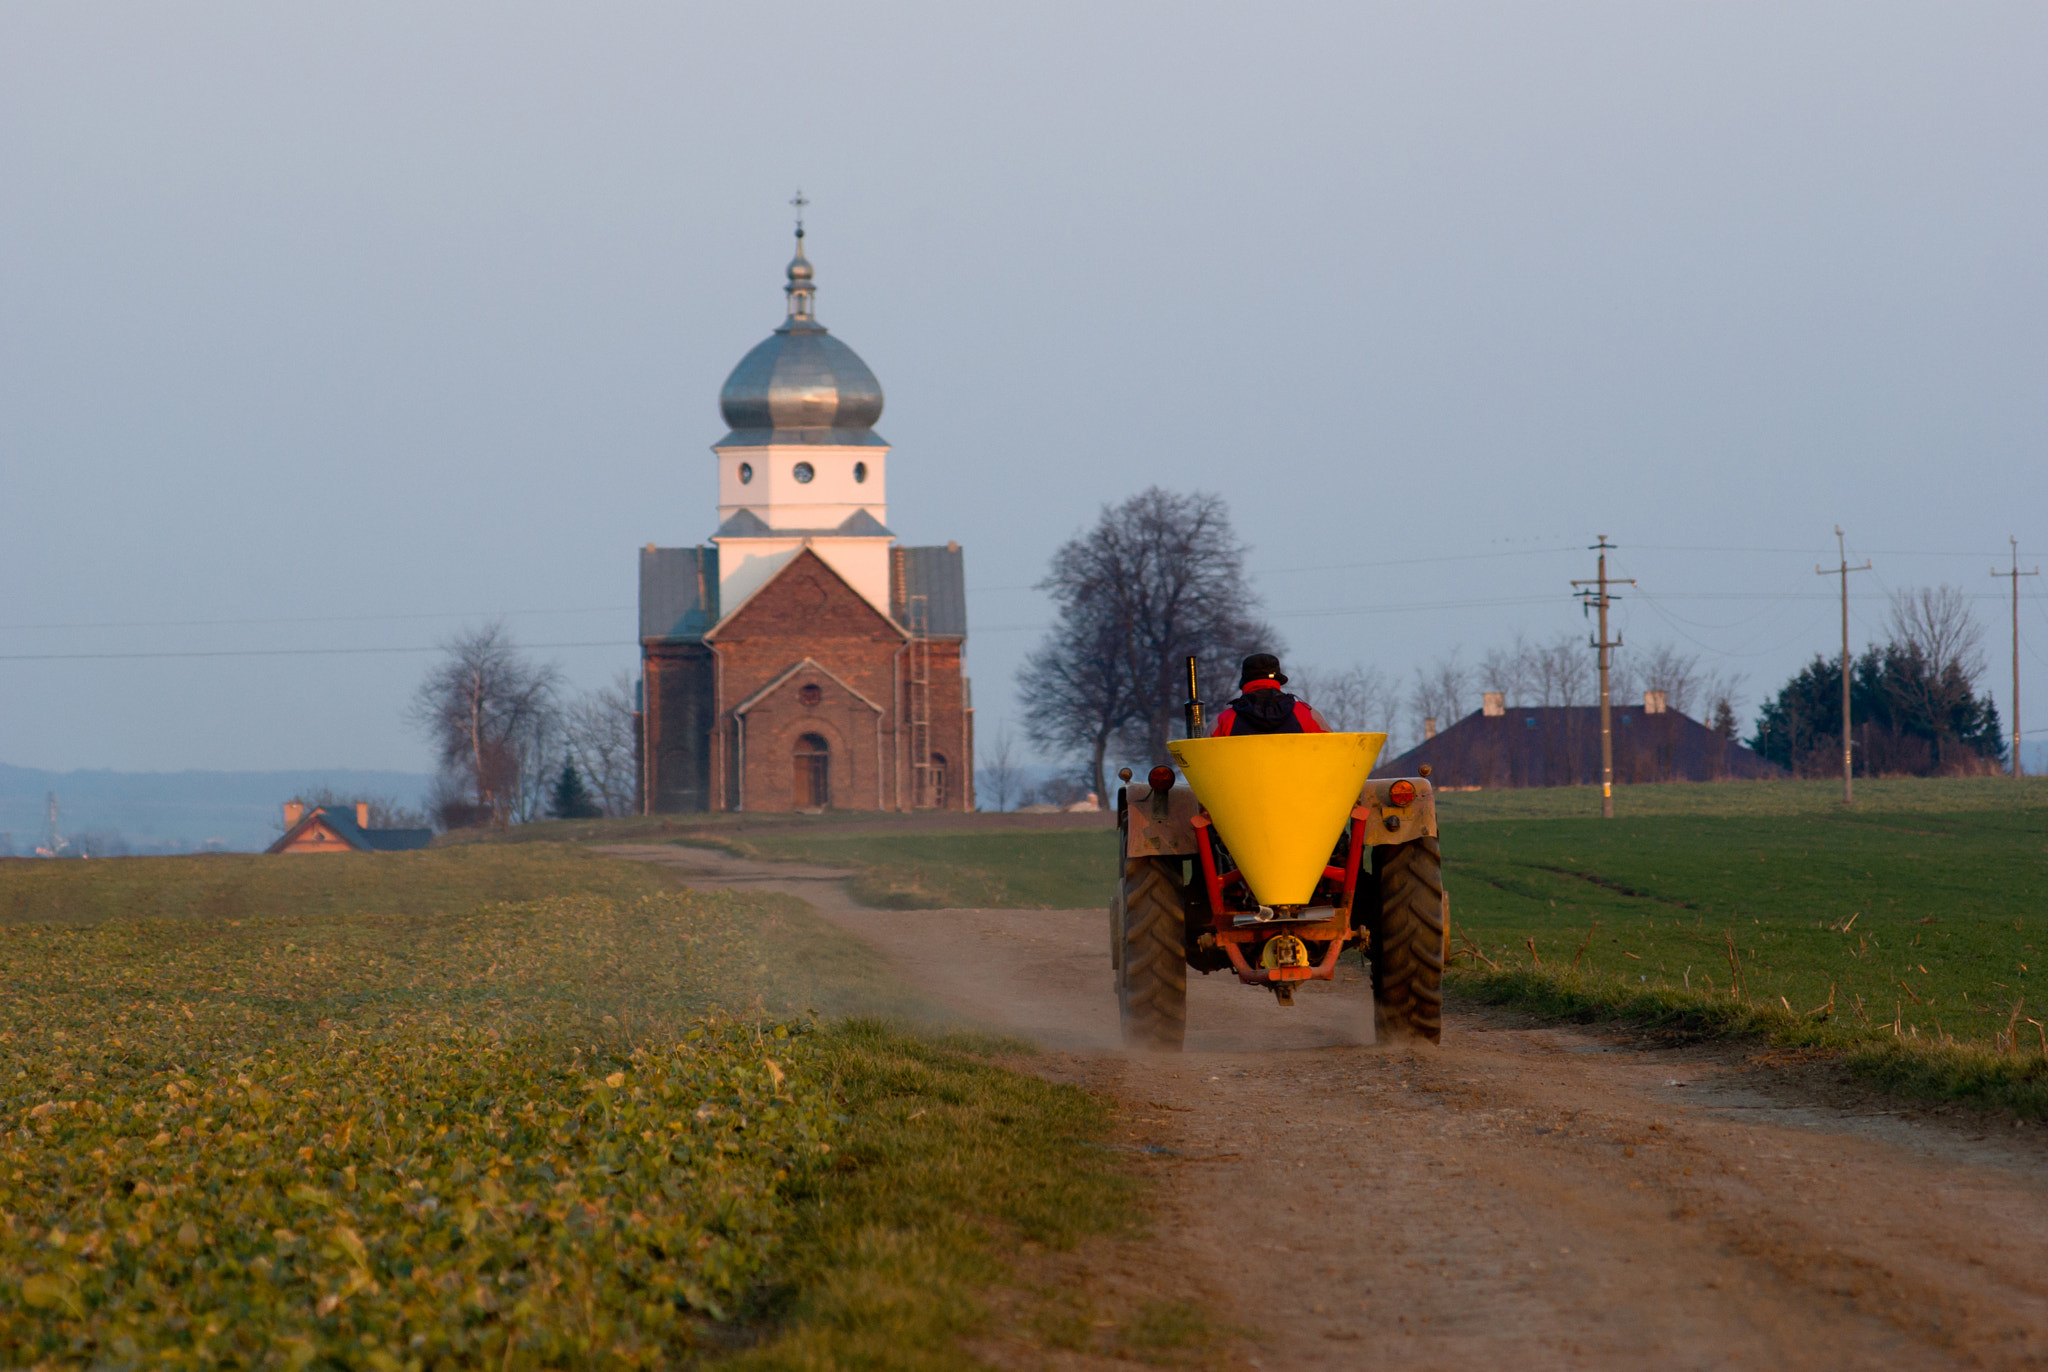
288	652
1347	566
317	619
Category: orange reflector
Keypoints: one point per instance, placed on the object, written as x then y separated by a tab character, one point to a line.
1161	778
1402	793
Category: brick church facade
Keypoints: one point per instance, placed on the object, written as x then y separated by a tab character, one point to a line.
803	659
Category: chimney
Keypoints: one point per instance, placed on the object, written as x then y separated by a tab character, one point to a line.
293	813
362	814
1429	727
1654	702
1494	704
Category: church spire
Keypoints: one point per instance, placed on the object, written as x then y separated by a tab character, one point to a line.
802	289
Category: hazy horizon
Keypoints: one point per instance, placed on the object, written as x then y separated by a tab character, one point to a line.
341	328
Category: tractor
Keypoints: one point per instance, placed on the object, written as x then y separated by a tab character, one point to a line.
1277	855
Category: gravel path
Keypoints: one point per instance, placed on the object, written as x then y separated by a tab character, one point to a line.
1521	1195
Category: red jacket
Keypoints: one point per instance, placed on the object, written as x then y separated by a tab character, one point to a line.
1305	715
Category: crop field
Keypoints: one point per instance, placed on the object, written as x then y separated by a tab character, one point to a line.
497	1106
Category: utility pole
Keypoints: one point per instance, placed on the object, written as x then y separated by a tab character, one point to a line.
1600	600
1848	795
2015	574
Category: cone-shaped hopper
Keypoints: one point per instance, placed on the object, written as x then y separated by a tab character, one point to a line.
1279	801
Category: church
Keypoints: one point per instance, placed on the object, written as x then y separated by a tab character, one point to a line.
803	659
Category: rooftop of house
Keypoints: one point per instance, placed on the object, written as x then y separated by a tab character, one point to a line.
350	825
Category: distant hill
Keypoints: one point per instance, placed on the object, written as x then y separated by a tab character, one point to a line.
178	811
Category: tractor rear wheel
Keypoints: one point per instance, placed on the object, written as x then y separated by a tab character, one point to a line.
1409	938
1151	965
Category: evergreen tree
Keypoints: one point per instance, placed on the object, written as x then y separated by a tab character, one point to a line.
571	799
1905	718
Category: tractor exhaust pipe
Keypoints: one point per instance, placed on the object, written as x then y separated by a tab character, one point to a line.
1193	709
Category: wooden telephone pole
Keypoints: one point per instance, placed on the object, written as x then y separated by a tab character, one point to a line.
2015	574
1848	794
1600	600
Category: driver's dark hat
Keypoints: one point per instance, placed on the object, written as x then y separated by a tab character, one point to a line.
1260	667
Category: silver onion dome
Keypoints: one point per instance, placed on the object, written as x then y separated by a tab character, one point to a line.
800	384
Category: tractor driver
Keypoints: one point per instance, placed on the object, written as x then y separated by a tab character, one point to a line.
1263	708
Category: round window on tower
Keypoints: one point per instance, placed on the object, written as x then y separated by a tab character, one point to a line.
746	472
803	472
860	471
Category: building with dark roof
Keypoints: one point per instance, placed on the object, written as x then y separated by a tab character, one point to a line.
803	659
342	829
1559	745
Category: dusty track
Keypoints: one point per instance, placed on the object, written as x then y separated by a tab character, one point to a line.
1521	1195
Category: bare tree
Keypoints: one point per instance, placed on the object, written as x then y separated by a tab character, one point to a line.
491	714
1526	673
1002	778
1076	697
1442	692
599	729
1508	671
1932	628
1935	623
1352	699
1159	579
1564	672
1662	668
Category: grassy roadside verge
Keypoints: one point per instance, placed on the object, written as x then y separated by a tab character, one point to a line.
2006	1076
594	1127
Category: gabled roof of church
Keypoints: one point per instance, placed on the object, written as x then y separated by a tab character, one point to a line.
747	524
678	592
937	574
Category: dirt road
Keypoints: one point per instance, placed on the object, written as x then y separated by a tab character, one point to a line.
1519	1196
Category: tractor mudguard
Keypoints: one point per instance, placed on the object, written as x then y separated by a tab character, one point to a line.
1159	824
1387	822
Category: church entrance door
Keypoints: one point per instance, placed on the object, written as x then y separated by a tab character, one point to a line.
812	788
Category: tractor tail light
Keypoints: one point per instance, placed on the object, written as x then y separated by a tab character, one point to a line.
1161	778
1402	793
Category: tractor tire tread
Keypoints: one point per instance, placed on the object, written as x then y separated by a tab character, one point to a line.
1408	952
1153	980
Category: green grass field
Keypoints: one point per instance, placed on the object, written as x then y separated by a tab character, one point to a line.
1740	799
496	1106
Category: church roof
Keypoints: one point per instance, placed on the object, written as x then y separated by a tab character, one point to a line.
800	384
939	576
678	592
747	524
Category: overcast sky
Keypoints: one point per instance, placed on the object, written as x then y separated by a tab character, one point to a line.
342	326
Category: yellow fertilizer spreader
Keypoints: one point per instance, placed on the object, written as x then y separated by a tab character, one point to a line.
1276	856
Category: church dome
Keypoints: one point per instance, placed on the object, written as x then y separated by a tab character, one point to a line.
800	384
